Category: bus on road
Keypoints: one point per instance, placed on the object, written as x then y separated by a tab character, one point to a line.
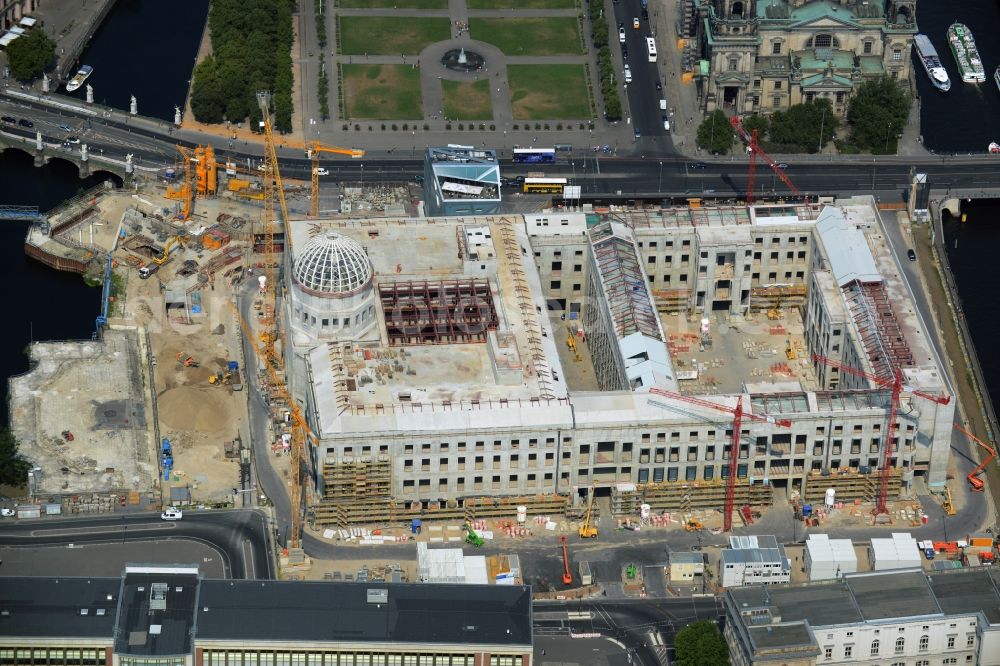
544	185
535	155
651	49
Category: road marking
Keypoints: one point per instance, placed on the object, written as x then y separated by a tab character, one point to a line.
110	529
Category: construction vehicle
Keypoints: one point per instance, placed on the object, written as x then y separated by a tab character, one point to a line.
162	259
472	538
567	576
631	571
166	458
948	505
235	381
978	485
588	531
148	271
68	436
220	378
571	343
790	351
693	525
186	360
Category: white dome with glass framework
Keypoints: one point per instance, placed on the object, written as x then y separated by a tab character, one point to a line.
332	291
332	265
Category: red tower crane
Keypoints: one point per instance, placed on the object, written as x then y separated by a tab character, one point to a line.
895	384
753	150
734	446
973	477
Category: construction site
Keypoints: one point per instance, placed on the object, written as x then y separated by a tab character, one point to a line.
682	367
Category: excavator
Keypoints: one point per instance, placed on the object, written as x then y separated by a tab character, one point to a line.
171	242
978	485
588	531
472	538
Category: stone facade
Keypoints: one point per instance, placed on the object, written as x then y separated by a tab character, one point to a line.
766	55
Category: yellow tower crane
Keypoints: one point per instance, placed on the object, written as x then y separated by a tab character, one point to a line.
314	150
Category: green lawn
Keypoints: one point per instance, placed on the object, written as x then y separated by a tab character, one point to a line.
382	92
392	4
468	100
549	92
390	35
520	4
529	36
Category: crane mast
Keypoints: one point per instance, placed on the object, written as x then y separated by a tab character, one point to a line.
753	150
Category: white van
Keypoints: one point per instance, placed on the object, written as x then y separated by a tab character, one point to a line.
663	104
628	74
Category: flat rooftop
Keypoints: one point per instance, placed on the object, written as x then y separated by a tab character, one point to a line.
158	609
39	607
95	391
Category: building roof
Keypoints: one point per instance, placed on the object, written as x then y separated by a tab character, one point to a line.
37	607
911	595
396	613
624	282
332	264
686	557
969	591
846	247
157	612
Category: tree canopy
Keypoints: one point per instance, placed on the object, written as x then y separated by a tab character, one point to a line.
13	468
877	114
251	51
715	134
30	54
700	644
802	128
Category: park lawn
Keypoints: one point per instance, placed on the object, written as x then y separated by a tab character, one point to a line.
393	4
390	35
549	92
529	36
520	4
467	100
382	92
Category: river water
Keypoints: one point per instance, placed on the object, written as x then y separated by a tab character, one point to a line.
130	57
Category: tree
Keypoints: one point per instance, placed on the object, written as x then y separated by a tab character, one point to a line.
803	127
13	468
700	644
715	134
756	122
877	114
30	55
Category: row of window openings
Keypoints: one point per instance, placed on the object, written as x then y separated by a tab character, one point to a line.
480	445
531	480
900	647
25	656
233	658
310	320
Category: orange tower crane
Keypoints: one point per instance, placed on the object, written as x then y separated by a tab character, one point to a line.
184	192
734	447
896	386
753	150
977	484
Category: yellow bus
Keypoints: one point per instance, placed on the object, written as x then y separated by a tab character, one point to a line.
544	185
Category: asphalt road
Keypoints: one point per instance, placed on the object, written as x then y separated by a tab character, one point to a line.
641	99
645	627
657	171
239	537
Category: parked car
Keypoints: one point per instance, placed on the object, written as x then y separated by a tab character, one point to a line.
628	74
624	52
666	123
24	122
7	513
659	86
911	255
9	119
172	514
621	35
73	139
637	133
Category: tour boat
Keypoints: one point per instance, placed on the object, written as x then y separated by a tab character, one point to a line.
963	47
78	79
994	147
932	63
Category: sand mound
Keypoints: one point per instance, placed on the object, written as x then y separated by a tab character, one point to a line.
195	408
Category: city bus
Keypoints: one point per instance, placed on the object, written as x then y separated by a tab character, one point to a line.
651	49
544	185
535	155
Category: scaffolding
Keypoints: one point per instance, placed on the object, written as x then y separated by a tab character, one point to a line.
422	312
850	485
382	511
777	296
672	301
688	495
878	327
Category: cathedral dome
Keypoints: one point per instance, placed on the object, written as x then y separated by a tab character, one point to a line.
332	265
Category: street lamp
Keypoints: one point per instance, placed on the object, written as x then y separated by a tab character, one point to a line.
888	128
822	124
659	183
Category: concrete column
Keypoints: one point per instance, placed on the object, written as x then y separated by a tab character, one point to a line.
45	83
84	161
90	94
38	141
133	106
177	116
39	150
129	168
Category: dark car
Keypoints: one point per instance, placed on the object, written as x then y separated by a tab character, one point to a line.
624	52
911	255
697	165
659	86
9	119
645	14
24	122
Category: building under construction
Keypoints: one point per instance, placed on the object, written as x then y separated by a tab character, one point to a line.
517	360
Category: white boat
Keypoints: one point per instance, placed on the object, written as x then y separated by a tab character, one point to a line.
963	47
932	63
994	148
78	78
